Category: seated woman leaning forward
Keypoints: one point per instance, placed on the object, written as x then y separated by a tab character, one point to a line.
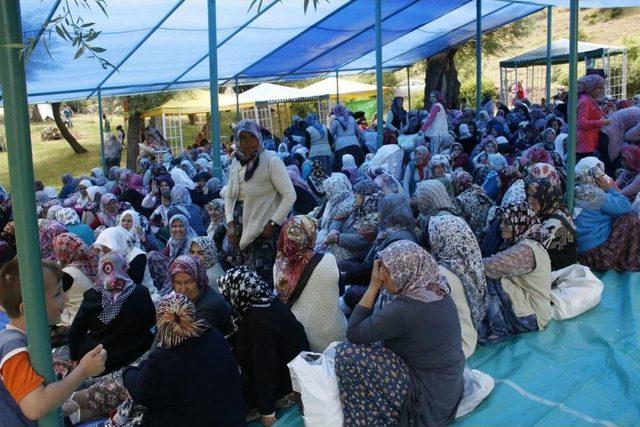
414	378
518	277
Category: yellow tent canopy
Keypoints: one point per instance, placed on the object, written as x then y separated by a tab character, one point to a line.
192	102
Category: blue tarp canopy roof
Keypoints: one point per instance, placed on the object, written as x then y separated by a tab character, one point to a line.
278	43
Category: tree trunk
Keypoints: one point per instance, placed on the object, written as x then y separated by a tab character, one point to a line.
64	131
36	117
441	75
133	139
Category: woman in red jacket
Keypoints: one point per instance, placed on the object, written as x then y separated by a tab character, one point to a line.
591	119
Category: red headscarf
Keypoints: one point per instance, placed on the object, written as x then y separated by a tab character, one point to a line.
70	250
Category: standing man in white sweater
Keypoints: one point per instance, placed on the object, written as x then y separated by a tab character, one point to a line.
259	197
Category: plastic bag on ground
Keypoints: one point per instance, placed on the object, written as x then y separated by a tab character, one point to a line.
477	386
576	290
313	375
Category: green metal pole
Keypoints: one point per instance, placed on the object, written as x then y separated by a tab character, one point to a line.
549	40
572	108
101	131
478	55
379	91
12	77
237	101
213	89
408	88
337	88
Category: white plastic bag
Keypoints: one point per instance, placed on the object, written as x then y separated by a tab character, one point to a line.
477	386
577	290
313	375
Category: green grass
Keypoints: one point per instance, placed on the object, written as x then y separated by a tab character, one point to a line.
51	159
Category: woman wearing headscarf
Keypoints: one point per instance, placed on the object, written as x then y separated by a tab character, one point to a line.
435	126
267	337
259	197
421	373
208	375
396	117
471	201
187	166
47	234
417	170
519	277
206	250
83	199
607	230
118	240
116	313
80	271
217	229
589	137
70	219
350	169
181	237
346	134
316	180
452	244
189	278
182	205
346	234
318	141
558	230
629	179
307	282
624	127
384	180
340	202
432	199
108	214
395	222
305	201
440	166
67	186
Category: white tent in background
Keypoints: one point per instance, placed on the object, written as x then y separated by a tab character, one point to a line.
345	87
45	111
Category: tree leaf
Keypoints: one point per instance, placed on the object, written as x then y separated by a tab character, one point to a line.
15	45
79	52
92	35
97	49
60	32
88	24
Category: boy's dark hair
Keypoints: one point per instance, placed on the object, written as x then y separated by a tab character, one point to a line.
10	292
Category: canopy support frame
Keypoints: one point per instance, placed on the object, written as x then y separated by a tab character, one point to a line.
101	126
237	91
18	138
548	70
137	46
379	90
572	108
408	88
478	55
337	88
213	88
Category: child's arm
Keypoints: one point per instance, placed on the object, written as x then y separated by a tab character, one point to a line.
45	399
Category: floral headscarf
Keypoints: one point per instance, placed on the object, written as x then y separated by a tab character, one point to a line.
192	267
341	198
68	216
508	175
589	82
296	179
544	170
371	196
387	183
523	222
414	272
431	196
209	248
181	199
179	247
71	251
394	214
177	321
454	246
312	121
48	233
295	250
113	285
243	289
107	219
461	180
631	156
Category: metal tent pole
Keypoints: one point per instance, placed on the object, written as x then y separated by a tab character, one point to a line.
213	89
549	39
100	112
572	108
478	55
12	77
337	88
379	92
237	101
408	88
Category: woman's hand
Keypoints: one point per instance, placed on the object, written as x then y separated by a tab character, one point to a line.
267	231
376	280
268	421
231	233
331	238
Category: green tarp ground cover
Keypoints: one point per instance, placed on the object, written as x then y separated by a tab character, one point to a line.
578	372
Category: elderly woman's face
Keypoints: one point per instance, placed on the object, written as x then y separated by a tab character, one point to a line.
490	148
438	171
457	150
83	190
178	230
535	205
126	222
111	207
185	285
248	143
387	280
196	250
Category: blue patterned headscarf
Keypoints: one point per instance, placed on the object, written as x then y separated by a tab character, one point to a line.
312	120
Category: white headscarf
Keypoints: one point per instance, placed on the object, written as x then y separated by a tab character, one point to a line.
180	177
117	239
